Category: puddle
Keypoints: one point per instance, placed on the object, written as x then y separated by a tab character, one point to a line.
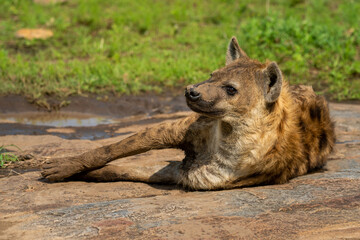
71	125
66	125
56	119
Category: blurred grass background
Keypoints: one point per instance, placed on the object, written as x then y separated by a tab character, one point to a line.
127	46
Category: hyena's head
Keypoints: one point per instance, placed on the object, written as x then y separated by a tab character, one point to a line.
236	88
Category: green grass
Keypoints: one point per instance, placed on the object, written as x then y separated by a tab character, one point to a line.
6	157
107	46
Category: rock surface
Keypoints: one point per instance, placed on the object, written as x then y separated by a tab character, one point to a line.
321	205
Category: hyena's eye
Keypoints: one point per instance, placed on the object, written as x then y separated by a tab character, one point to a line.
230	90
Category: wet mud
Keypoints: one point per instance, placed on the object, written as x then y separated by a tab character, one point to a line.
85	117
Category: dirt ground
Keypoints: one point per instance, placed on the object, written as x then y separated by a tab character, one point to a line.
321	205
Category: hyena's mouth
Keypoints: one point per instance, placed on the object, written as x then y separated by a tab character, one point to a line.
196	103
204	107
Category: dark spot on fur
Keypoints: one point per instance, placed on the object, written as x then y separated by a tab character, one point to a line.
284	116
307	155
315	112
131	141
307	148
160	130
296	171
187	121
323	140
225	153
107	149
214	172
143	134
280	127
295	87
222	165
226	129
302	125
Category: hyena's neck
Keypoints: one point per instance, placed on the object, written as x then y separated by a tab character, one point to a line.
252	136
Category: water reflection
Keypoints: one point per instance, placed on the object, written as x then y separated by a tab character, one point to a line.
56	119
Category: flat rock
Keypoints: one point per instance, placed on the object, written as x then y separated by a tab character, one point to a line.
321	205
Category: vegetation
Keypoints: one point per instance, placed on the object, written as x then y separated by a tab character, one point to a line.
6	157
126	46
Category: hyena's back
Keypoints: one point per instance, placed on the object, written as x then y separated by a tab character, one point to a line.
316	127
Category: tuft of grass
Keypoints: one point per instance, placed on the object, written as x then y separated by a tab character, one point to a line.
126	47
6	157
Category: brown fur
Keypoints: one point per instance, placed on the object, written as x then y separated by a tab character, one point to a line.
249	128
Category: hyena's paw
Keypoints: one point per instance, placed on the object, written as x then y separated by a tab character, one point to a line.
57	169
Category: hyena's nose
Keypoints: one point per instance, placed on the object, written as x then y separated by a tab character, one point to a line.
192	94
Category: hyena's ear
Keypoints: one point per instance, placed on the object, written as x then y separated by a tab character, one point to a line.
272	82
234	51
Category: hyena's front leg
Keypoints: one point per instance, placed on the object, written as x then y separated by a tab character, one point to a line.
165	135
159	172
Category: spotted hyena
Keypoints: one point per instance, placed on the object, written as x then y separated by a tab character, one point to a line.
249	127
